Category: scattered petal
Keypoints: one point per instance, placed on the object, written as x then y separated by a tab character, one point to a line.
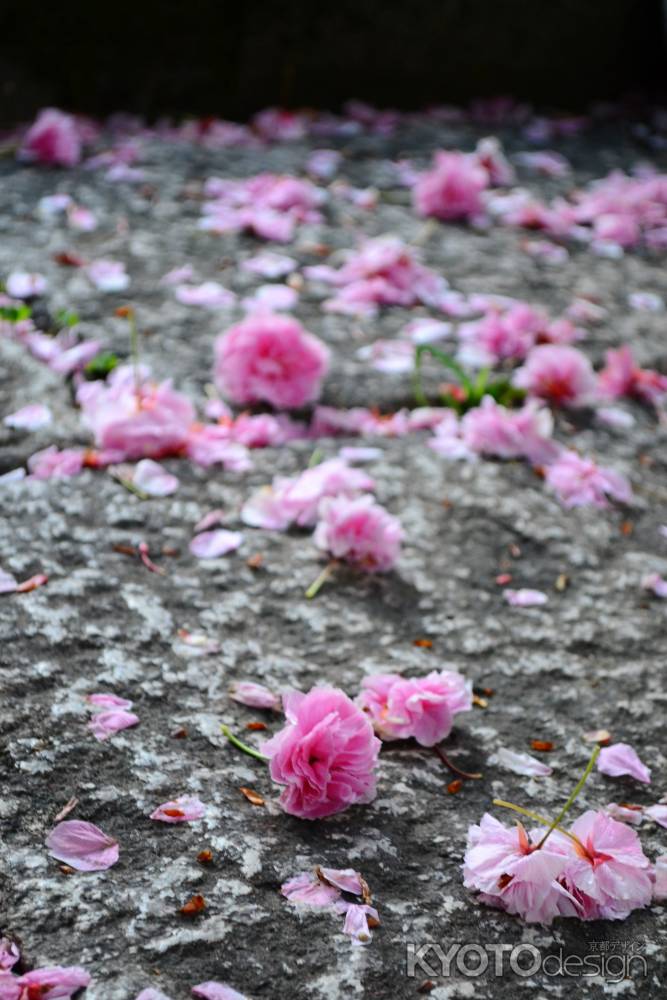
82	846
620	759
213	544
181	810
521	763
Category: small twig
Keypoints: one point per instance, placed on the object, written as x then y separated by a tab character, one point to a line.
476	775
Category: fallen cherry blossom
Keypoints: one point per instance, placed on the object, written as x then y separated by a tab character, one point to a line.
184	809
108	275
49	983
82	846
105	724
213	544
421	707
255	695
22	285
521	763
620	759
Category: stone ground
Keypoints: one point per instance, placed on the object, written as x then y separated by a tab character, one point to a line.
592	657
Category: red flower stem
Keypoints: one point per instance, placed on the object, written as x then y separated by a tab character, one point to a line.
453	768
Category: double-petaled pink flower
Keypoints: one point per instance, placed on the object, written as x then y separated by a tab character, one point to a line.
53	138
421	707
452	188
579	482
359	531
271	359
325	756
558	374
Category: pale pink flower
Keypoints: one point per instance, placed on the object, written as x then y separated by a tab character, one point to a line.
53	982
620	759
499	336
618	228
108	275
22	285
213	544
579	481
184	809
178	275
324	163
492	429
216	991
622	377
502	864
359	531
9	954
255	695
82	845
270	358
308	889
559	374
655	584
524	597
521	763
325	756
50	463
609	875
209	295
53	139
646	302
421	707
106	724
136	421
150	477
29	418
452	188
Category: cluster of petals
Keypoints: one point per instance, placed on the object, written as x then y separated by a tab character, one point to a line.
328	889
112	715
621	376
272	359
559	374
579	481
325	756
421	708
359	531
53	982
452	189
268	205
383	272
510	334
603	874
54	138
498	432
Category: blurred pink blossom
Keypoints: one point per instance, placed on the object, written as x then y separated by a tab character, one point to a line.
359	531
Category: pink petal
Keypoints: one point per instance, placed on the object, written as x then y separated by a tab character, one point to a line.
345	879
657	813
109	701
620	759
151	478
29	418
623	814
181	810
524	598
255	695
51	983
655	584
32	583
521	763
307	889
82	846
8	583
152	994
105	724
210	520
212	544
9	954
216	991
356	922
660	877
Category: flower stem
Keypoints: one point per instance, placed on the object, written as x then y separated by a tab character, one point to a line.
226	731
317	584
452	767
538	819
577	788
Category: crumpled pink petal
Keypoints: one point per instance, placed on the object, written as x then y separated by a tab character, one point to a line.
152	994
29	418
345	879
620	759
624	814
213	544
105	724
109	701
150	477
306	888
216	991
524	597
50	983
255	695
181	810
82	846
356	921
9	954
658	813
521	763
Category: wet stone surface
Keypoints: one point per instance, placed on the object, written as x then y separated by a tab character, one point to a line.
592	657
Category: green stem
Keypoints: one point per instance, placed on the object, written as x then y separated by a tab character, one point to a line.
131	488
539	819
317	584
447	362
577	788
226	731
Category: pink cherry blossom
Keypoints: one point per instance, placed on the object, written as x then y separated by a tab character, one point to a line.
524	597
81	219
22	285
452	188
53	139
609	874
325	756
184	809
492	429
29	418
265	430
9	954
217	991
213	544
646	302
620	759
359	531
50	983
105	724
422	707
108	275
270	358
136	420
521	763
622	377
151	478
54	464
82	845
306	888
545	162
178	275
579	482
501	335
255	695
559	374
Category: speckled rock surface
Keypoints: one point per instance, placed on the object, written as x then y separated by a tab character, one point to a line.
593	657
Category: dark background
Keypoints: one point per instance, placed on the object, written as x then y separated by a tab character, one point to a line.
229	59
